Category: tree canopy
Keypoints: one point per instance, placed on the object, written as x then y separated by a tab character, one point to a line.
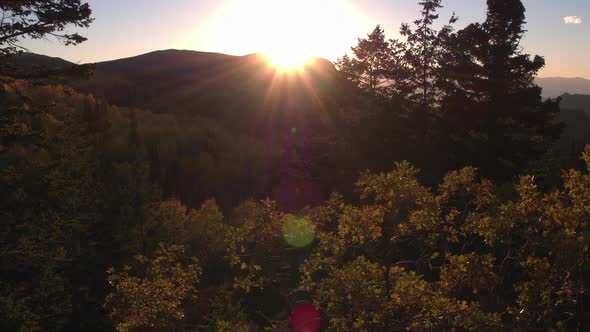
40	19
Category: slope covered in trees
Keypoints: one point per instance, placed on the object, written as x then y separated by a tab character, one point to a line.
192	82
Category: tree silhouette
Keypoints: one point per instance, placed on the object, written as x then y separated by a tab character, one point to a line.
40	18
422	53
491	99
371	63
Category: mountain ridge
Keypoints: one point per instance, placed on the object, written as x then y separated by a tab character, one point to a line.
188	81
554	87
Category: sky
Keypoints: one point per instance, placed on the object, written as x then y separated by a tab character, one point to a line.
559	30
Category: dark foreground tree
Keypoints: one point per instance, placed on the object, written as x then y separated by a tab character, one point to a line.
497	118
406	68
422	50
39	19
404	74
371	63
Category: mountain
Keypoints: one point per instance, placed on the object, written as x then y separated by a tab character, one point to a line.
191	82
290	133
147	80
198	82
556	86
24	64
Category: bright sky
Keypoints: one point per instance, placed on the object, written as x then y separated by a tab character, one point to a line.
558	29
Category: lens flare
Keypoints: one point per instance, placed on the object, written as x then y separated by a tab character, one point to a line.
299	232
306	318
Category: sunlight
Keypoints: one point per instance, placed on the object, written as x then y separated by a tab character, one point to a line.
289	33
284	60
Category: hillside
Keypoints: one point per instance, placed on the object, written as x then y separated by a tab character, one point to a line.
188	81
152	80
244	95
248	122
25	64
209	118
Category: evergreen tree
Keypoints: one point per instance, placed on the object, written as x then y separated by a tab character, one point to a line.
422	51
495	114
371	63
405	75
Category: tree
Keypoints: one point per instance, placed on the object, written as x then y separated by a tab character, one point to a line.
405	75
40	18
406	68
154	298
371	63
494	111
369	272
460	257
49	204
422	52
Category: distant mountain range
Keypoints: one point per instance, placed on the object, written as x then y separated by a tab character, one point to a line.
27	63
177	80
204	83
556	86
200	82
180	67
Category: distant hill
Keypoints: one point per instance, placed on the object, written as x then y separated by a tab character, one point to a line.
189	81
24	64
556	86
199	82
147	80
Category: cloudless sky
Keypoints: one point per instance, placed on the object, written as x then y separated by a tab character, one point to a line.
328	28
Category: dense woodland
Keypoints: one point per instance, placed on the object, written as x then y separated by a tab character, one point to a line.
421	183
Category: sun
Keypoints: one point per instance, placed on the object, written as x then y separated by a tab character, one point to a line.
288	60
287	45
289	33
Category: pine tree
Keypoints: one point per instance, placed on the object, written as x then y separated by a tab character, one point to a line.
496	117
371	63
422	52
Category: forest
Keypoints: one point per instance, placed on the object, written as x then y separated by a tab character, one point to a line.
420	183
